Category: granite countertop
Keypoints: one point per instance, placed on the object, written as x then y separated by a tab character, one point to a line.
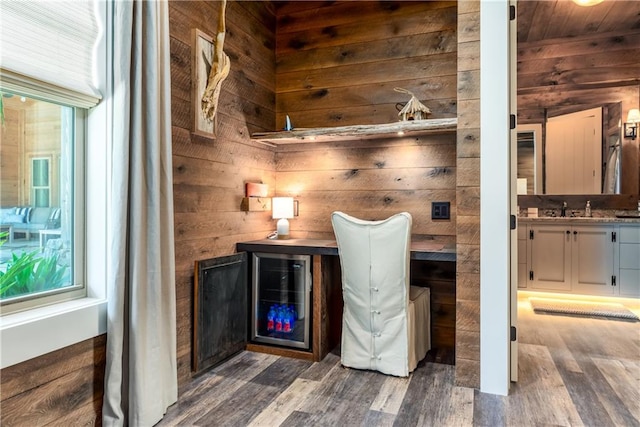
590	220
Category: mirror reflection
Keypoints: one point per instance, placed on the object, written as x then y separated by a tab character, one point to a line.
574	155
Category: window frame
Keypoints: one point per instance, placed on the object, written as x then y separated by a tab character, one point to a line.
35	332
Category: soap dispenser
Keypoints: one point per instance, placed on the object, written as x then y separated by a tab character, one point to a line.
587	209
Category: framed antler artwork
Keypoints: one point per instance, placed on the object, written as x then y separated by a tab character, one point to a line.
211	67
202	59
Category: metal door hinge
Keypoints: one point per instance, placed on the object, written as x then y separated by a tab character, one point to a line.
530	234
514	333
613	236
512	13
530	274
512	222
613	280
512	121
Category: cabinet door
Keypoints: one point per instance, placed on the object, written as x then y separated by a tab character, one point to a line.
592	259
550	252
629	256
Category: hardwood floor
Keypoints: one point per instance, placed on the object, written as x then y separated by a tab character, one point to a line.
572	371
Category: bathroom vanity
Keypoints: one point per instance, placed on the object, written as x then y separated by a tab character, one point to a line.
589	256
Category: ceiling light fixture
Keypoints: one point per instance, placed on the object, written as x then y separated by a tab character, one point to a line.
587	2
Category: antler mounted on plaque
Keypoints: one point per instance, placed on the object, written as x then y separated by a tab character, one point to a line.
218	73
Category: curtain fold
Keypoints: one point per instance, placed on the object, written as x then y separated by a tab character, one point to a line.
141	371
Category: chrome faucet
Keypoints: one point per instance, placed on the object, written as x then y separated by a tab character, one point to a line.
563	212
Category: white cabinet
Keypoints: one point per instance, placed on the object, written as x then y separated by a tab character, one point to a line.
629	260
576	258
592	267
550	257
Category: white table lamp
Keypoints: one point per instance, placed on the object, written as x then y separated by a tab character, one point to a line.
282	209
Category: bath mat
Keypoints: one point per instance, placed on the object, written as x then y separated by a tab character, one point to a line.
582	308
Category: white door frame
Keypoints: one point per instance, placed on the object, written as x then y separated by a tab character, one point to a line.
495	197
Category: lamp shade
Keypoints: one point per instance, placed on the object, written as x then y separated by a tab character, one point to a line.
587	2
282	207
633	116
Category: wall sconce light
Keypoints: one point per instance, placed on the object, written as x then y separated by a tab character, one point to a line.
282	210
631	125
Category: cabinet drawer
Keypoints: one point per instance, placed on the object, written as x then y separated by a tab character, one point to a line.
629	234
629	283
629	255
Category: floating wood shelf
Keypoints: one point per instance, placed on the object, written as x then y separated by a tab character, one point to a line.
357	132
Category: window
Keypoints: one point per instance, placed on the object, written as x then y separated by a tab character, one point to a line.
40	190
45	95
71	74
41	214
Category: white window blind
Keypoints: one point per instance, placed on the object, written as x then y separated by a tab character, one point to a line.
50	44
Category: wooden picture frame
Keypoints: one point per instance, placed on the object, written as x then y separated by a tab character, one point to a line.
203	48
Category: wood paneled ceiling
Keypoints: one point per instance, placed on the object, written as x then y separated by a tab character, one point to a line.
573	57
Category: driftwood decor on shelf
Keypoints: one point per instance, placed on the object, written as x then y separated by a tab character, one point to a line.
210	68
414	109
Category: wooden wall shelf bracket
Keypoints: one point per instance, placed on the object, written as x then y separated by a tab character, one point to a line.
357	132
255	204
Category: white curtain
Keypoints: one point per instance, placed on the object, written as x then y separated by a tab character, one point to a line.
141	372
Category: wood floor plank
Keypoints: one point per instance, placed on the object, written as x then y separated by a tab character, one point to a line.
391	395
458	411
198	404
241	407
319	371
488	409
286	403
605	395
540	386
281	373
585	399
623	381
246	365
572	372
297	418
378	419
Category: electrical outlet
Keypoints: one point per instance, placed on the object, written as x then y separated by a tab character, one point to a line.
440	210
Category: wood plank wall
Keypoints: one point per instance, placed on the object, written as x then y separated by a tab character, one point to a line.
64	387
334	70
468	196
210	174
338	62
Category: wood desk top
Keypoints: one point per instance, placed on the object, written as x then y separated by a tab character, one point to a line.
426	251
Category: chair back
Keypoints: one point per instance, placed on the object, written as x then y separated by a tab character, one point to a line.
374	258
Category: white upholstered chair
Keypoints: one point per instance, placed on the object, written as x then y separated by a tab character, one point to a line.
385	322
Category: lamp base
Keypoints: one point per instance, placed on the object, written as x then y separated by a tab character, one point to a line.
283	229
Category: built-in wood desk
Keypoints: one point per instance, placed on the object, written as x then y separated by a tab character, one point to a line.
425	251
432	266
